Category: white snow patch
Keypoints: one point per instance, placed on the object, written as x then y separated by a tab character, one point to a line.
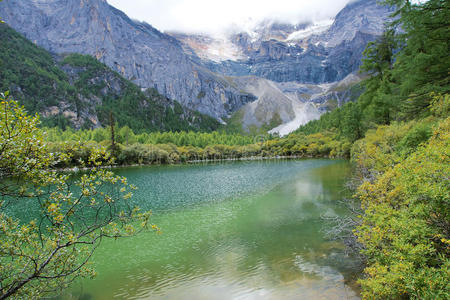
304	112
316	28
222	49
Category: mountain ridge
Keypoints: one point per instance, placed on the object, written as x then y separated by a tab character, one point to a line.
137	51
271	52
168	63
79	91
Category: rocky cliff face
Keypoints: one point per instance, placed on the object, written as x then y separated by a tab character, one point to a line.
312	65
284	106
360	16
78	91
306	53
289	65
136	50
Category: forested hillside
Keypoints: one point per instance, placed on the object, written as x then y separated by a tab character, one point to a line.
78	91
400	129
408	64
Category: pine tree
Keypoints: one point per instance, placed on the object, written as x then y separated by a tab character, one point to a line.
422	66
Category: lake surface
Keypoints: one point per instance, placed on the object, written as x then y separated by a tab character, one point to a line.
242	230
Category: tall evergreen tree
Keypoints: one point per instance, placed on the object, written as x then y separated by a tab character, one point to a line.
378	63
422	66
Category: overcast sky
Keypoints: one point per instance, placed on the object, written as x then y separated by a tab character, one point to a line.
212	16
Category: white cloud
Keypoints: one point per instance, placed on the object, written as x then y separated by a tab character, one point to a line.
211	16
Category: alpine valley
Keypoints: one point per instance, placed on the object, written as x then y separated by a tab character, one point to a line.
274	77
279	160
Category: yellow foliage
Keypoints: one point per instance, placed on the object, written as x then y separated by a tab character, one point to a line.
406	211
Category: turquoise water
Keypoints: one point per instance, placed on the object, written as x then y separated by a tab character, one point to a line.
243	230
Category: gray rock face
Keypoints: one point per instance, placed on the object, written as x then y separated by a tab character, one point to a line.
284	62
271	106
309	68
287	105
136	50
361	16
304	53
288	64
326	96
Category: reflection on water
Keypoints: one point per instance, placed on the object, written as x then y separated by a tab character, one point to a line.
230	231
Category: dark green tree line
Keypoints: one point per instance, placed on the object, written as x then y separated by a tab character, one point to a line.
407	65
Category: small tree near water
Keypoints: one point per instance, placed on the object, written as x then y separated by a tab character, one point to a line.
51	223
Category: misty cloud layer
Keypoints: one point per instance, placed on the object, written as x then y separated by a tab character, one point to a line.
212	16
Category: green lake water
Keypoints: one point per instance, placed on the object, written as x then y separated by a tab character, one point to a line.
242	230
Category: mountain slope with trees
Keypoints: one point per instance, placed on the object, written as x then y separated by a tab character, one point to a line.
153	59
407	68
79	91
400	130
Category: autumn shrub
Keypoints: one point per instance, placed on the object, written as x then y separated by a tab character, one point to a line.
376	152
418	134
405	229
67	216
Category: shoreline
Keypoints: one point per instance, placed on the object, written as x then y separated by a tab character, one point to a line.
198	161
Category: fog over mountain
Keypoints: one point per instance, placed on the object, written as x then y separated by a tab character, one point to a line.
215	17
282	64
